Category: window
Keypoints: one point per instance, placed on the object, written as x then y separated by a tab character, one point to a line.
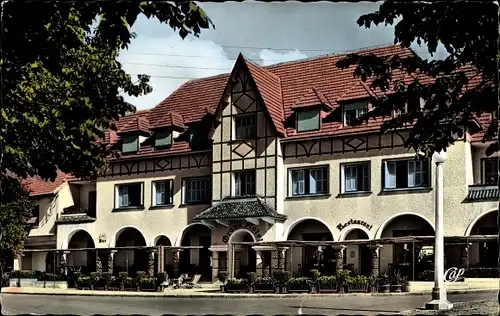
92	204
246	126
129	195
490	167
244	183
197	190
401	174
353	111
356	177
163	138
130	143
307	121
309	181
162	192
35	215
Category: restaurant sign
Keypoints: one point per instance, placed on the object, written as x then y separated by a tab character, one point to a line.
251	227
353	222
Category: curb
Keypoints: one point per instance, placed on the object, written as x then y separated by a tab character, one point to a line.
230	296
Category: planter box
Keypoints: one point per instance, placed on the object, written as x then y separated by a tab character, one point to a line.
84	286
357	288
136	288
384	288
23	282
53	284
149	289
328	288
264	288
298	288
235	288
396	288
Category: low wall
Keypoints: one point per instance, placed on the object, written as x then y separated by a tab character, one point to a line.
466	284
39	284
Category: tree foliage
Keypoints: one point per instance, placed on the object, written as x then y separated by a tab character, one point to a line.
61	79
469	32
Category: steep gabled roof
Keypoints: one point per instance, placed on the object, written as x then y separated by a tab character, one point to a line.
38	186
170	119
313	97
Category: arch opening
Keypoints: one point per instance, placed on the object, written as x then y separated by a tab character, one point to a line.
357	258
196	261
83	260
484	254
311	257
409	259
130	260
245	257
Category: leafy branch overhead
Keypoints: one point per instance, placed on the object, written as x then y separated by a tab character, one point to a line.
61	79
454	92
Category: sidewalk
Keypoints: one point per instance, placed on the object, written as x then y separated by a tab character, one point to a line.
199	293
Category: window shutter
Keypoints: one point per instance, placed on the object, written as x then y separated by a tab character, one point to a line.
163	138
130	143
390	175
307	121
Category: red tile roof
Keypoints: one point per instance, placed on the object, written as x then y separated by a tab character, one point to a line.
38	186
313	97
282	86
133	123
170	119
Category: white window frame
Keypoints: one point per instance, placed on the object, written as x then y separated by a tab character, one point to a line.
306	181
360	107
168	189
344	177
415	173
246	128
203	183
118	205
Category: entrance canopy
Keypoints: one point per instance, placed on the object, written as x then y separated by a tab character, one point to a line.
251	209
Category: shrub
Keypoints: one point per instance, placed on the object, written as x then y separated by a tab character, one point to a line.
358	279
330	280
84	280
343	275
160	277
130	282
147	282
23	274
222	276
250	277
122	275
5	280
235	281
315	274
383	279
52	277
426	275
140	274
301	280
94	277
282	277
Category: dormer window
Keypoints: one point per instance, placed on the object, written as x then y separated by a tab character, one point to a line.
308	120
130	143
354	111
163	138
245	126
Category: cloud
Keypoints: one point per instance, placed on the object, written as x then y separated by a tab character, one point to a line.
171	62
270	57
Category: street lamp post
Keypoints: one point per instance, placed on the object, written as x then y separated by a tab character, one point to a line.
439	300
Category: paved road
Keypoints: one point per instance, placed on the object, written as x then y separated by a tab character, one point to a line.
90	305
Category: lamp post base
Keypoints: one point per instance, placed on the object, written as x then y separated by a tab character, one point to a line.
439	301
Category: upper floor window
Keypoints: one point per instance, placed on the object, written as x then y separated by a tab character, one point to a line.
353	111
356	177
162	192
407	173
35	215
197	190
308	121
91	211
130	143
163	138
490	171
129	195
244	183
309	181
245	126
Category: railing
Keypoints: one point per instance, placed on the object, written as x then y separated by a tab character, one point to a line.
71	210
482	192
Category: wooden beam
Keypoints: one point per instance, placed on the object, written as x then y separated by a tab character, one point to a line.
223	223
114	249
254	221
208	224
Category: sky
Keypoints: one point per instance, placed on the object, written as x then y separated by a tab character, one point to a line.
267	33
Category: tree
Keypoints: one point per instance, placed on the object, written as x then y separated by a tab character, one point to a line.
60	88
455	90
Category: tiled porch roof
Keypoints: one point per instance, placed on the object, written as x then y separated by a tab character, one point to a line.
77	218
483	193
240	208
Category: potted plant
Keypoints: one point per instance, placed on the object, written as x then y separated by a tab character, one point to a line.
222	276
264	284
161	279
299	285
281	278
147	284
55	281
397	283
114	283
235	285
384	283
358	283
130	284
315	275
327	284
122	276
95	280
84	282
250	278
